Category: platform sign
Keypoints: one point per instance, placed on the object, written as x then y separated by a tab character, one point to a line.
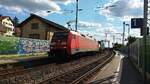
137	22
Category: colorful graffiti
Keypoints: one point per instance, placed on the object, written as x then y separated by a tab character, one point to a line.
16	45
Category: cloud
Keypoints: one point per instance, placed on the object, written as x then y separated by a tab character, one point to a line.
135	32
65	1
83	24
33	6
110	19
123	8
91	28
135	4
98	30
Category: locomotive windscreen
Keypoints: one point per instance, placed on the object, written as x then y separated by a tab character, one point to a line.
60	36
59	39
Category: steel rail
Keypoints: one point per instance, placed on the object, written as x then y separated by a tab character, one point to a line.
60	77
92	71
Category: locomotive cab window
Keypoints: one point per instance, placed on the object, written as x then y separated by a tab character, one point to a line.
60	37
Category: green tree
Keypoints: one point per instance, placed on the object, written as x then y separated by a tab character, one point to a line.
131	40
15	21
117	46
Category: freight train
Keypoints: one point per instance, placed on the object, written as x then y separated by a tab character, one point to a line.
65	45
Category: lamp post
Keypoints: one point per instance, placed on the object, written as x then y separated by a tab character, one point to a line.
128	29
123	34
128	39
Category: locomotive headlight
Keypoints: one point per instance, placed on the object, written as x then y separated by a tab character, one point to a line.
53	43
63	43
51	47
65	47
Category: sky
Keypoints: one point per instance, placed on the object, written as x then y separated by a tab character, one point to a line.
96	17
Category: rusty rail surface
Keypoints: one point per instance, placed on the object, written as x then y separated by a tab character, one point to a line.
92	71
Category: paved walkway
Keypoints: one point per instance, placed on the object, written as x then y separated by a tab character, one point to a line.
129	74
118	71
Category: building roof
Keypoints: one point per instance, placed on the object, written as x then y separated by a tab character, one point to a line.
44	20
3	17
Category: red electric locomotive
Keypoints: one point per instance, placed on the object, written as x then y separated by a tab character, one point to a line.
64	45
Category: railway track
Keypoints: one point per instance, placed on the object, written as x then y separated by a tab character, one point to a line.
38	74
15	68
12	70
24	65
79	75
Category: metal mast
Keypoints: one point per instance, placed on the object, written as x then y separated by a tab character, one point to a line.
145	33
123	34
76	24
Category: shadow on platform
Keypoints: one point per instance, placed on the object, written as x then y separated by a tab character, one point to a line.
129	74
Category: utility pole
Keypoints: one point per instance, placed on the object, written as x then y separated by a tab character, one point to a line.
76	24
106	41
106	36
128	39
128	29
113	38
145	33
123	34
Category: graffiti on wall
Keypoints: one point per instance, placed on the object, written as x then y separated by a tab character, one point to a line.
16	45
26	45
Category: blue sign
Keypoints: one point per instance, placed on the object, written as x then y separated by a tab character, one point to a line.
137	22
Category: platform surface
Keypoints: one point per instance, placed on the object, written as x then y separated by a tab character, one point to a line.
118	71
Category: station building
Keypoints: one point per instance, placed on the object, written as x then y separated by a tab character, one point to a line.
36	27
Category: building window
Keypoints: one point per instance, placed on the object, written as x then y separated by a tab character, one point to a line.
10	24
4	23
34	36
34	26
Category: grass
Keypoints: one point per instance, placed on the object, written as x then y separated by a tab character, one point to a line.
8	43
14	56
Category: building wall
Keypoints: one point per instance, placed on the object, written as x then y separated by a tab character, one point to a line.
16	45
1	33
45	30
27	30
7	26
50	32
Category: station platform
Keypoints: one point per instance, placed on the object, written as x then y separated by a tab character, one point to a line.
118	71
